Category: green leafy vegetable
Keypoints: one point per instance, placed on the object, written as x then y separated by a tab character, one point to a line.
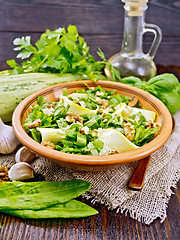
64	51
35	135
143	135
115	73
59	51
37	195
71	209
76	132
81	140
44	199
166	87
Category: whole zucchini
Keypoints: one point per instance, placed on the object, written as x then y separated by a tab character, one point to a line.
14	88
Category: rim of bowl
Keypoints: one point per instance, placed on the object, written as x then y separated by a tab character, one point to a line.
89	160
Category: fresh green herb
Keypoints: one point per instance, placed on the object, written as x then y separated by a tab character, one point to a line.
40	100
65	93
35	135
115	75
71	209
59	51
64	51
81	140
144	135
33	195
166	87
44	199
80	118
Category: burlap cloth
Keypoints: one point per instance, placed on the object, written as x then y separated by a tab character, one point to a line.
110	187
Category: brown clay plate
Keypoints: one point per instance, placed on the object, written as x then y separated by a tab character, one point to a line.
88	162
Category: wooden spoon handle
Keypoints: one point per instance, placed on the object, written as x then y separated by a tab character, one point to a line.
137	180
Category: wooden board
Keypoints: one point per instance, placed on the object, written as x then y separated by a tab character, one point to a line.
107	225
100	22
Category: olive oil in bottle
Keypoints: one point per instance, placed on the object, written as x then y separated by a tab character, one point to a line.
131	61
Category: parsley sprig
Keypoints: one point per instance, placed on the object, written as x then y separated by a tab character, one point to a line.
59	51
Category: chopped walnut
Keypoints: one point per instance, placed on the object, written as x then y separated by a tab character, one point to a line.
105	120
100	110
48	144
133	101
36	123
104	111
150	125
95	130
3	173
104	114
159	128
49	106
71	117
103	102
111	152
84	130
129	131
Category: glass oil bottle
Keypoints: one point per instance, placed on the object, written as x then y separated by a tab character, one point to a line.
131	61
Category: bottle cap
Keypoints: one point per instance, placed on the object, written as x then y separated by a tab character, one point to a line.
135	8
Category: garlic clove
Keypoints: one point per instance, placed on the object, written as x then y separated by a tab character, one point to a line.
20	171
8	140
24	155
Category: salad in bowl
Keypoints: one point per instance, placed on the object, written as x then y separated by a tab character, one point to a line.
94	121
90	126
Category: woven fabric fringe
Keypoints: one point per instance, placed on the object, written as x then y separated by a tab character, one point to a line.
110	187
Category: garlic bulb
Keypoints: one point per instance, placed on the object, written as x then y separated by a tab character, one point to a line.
24	155
8	140
20	171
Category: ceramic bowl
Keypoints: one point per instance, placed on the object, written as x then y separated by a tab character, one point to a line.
88	162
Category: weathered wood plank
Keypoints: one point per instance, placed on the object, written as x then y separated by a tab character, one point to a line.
106	225
173	214
35	16
118	226
101	22
95	17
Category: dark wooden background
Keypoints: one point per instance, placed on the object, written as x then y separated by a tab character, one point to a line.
107	225
99	21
